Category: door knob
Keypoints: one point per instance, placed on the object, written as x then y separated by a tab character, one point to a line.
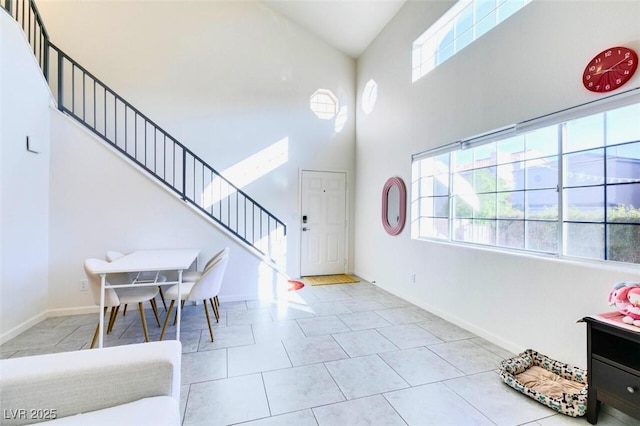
631	389
306	229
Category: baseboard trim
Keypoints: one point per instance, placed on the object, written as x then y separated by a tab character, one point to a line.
22	327
72	311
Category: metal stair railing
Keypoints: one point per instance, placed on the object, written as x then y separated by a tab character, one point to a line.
82	96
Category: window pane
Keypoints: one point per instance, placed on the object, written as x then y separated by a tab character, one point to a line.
511	233
463	183
462	228
623	124
426	207
485	16
464	32
584	240
484	232
542	204
484	155
426	186
463	160
511	176
510	150
445	48
511	205
508	8
542	173
487	206
476	231
415	188
623	203
434	228
623	163
584	133
441	184
584	168
462	207
542	236
585	204
623	242
484	180
441	206
542	142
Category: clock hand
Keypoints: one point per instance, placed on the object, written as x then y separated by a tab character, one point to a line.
612	66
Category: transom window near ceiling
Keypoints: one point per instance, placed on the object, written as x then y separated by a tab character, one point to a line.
569	189
465	22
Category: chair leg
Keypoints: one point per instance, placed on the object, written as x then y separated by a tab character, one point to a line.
144	322
206	311
154	306
95	334
125	310
175	319
112	318
162	298
215	299
166	319
215	309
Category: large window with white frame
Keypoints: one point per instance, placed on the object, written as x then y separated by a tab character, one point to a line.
461	25
570	188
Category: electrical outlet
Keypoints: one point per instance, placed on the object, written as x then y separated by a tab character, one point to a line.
84	285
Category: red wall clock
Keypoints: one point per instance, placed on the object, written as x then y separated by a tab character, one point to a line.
610	69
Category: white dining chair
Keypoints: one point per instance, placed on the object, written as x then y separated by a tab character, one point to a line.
206	288
143	276
114	297
190	276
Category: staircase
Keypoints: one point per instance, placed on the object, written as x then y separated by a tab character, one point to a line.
80	95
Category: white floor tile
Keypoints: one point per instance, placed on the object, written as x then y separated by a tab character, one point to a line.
313	350
227	401
499	402
363	320
409	336
373	410
467	356
322	326
257	358
299	388
420	366
435	405
364	376
365	342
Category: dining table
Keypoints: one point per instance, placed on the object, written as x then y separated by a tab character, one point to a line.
154	260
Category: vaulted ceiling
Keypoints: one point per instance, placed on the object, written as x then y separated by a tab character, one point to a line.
348	25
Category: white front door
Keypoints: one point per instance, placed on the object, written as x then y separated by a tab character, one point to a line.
323	223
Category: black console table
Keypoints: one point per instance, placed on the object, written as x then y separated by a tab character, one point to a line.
613	365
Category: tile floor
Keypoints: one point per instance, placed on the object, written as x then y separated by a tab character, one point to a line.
348	354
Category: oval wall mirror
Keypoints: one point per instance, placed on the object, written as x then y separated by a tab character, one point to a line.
394	205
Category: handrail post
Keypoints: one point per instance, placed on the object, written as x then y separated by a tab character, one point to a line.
184	174
45	64
60	79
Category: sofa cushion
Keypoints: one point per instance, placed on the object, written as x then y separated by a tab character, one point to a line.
88	380
155	411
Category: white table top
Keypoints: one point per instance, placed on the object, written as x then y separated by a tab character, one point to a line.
151	260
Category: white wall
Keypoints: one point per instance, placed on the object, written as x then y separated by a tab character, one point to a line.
100	202
528	66
24	184
227	79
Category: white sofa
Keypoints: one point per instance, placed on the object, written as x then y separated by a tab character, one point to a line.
124	385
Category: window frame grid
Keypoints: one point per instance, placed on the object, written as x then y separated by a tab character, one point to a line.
421	64
561	188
